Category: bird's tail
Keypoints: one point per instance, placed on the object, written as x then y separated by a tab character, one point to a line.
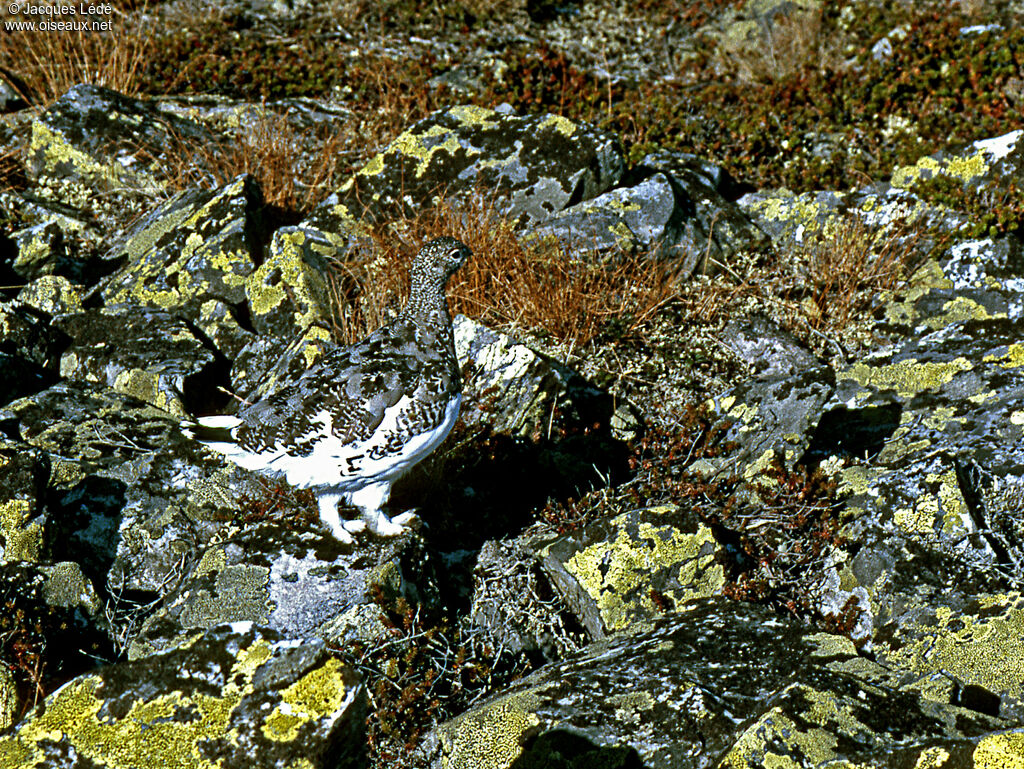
213	429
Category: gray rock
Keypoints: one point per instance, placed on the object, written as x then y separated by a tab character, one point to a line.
515	389
720	683
149	355
536	165
130	498
684	219
102	140
24	473
199	245
513	601
634	567
26	332
237	696
770	351
296	579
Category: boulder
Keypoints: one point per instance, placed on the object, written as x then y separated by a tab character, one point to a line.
236	696
719	683
295	579
199	245
534	166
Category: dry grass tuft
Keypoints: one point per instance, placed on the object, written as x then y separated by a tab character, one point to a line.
267	148
842	271
47	63
507	284
786	45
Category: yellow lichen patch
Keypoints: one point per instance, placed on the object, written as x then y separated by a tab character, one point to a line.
908	377
56	151
957	310
1000	751
423	146
22	543
932	758
829	645
469	114
919	519
149	387
613	572
317	694
952	507
491	738
980	650
1012	358
562	125
1017	417
268	286
760	743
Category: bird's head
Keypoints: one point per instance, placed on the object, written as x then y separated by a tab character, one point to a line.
443	255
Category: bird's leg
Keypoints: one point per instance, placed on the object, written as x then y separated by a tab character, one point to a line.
379	523
329	515
370	500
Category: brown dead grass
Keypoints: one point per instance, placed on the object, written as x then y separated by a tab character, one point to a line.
843	271
268	148
786	45
47	63
543	287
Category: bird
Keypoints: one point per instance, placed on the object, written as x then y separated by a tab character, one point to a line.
363	415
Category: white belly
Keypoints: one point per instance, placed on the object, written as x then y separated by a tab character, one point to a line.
347	467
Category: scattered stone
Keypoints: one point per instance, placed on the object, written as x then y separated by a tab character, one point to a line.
237	696
102	140
720	681
634	567
296	579
536	165
150	355
199	245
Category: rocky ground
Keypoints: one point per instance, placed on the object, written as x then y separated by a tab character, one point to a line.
739	475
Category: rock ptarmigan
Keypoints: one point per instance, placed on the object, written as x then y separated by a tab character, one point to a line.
363	415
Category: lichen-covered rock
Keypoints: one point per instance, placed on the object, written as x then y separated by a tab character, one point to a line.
941	419
26	332
238	696
52	294
199	245
220	323
46	608
926	439
973	640
514	602
299	581
987	163
289	293
20	377
23	477
775	418
105	140
686	222
770	351
40	250
515	389
718	684
130	497
633	567
535	165
150	355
